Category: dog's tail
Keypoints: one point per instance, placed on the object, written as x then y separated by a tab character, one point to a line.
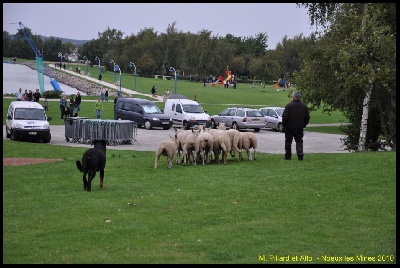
79	165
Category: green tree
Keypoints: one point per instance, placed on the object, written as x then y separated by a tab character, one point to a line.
352	69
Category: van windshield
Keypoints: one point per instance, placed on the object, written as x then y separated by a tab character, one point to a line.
151	109
193	108
29	114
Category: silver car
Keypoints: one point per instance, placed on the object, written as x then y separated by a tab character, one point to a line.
273	117
240	118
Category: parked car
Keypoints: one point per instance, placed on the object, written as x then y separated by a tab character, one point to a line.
240	118
144	112
273	117
27	120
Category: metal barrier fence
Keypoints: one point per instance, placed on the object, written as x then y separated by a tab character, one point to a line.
115	132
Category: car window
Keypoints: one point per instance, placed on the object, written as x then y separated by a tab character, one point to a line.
225	112
240	113
192	108
264	111
151	109
254	113
280	111
271	112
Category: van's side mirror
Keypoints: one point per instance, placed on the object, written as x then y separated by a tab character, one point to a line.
49	118
205	111
9	117
162	110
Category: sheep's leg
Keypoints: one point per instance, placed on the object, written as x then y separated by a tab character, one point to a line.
156	161
254	153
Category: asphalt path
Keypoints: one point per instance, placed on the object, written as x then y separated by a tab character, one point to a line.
268	141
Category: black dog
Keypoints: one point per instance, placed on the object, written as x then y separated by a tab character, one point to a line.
66	112
93	160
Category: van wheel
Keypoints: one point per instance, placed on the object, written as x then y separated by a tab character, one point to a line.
12	136
185	125
7	133
256	130
147	124
47	140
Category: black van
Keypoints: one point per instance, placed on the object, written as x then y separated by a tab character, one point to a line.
144	112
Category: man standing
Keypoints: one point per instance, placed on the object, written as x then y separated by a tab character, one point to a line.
78	100
37	95
294	119
98	107
63	105
19	94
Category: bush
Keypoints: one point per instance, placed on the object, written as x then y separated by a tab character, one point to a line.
53	94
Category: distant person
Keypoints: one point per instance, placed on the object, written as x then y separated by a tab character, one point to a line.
78	101
63	105
102	94
106	95
154	91
19	94
37	95
46	104
100	76
295	118
64	66
98	107
71	106
30	95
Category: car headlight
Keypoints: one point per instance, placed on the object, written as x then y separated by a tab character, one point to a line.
155	119
18	125
192	119
47	126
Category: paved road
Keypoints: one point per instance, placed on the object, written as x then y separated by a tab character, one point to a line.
269	141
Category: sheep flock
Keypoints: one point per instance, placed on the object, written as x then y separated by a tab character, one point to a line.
205	146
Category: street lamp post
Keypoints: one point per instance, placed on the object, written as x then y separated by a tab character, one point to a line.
66	56
134	74
86	61
60	55
120	79
97	58
176	78
111	61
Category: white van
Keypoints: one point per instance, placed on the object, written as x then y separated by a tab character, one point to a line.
187	113
27	120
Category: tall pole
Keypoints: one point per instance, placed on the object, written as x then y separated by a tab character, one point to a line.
86	61
60	55
111	61
120	80
97	58
134	74
67	57
176	77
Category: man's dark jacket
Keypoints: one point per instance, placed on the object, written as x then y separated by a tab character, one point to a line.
296	116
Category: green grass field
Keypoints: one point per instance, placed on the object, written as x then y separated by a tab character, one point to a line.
336	205
330	208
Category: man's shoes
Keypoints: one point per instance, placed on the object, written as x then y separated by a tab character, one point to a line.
287	158
300	157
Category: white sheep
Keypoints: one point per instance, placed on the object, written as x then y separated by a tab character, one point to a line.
166	148
180	137
191	147
249	140
206	144
222	142
236	147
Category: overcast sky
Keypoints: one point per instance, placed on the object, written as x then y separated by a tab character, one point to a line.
85	21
